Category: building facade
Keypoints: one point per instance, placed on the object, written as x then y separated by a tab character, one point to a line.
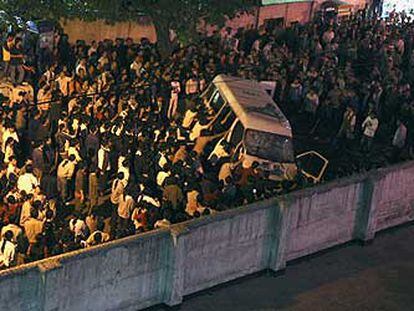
271	13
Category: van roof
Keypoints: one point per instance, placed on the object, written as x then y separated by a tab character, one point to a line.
253	106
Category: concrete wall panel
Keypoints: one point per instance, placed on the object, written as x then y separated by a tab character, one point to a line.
126	276
226	249
393	197
21	289
322	219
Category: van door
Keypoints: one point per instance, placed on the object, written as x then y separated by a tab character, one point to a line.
237	134
223	121
233	136
312	165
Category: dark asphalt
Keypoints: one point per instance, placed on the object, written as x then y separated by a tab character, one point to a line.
379	276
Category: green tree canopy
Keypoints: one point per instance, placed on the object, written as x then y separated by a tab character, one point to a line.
180	15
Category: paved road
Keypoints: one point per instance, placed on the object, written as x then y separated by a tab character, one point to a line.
379	276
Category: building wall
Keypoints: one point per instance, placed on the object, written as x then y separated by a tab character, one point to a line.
162	266
358	4
291	12
100	30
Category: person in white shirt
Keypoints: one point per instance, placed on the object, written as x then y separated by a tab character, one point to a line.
49	74
189	118
27	182
93	48
7	250
162	175
400	135
145	198
9	151
12	167
117	190
399	140
175	93
26	207
191	86
65	173
197	128
104	167
9	132
125	208
221	150
78	227
64	81
124	169
162	224
74	149
136	66
96	238
369	127
81	65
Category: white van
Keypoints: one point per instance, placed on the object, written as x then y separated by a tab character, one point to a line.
254	126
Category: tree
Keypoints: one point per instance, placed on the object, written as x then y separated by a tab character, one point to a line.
182	16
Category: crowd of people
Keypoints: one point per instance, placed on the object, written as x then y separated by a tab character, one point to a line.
110	141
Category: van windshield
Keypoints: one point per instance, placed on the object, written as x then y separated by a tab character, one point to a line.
269	146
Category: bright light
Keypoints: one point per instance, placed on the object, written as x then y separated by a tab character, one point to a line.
398	6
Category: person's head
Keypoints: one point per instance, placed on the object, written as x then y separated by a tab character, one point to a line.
18	42
49	214
29	169
37	204
120	175
13	160
8	236
28	197
97	237
11	199
34	213
72	158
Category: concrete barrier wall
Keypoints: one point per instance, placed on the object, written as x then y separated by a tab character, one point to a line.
21	289
322	217
392	197
125	276
227	247
165	265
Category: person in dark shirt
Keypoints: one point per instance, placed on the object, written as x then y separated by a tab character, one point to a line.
16	62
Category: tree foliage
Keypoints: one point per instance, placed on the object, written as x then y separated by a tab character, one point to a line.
180	15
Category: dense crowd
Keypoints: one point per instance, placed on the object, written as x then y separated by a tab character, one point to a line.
114	141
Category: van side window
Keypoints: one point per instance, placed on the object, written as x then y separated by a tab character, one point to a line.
224	120
208	92
217	101
237	134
